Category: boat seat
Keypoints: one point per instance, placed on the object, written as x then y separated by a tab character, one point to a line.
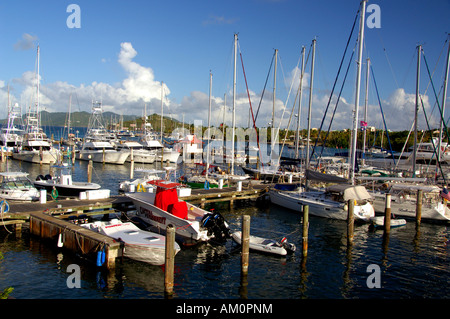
178	209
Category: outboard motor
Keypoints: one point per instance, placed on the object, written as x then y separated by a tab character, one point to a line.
290	248
216	225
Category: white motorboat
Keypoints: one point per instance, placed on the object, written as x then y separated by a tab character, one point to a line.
330	203
137	152
62	183
192	224
11	136
265	245
16	186
140	245
378	222
164	154
102	152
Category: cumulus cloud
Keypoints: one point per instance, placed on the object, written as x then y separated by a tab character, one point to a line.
26	43
140	86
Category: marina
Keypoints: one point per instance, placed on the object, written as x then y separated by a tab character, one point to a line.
332	268
150	209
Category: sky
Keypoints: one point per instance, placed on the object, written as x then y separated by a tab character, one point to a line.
124	52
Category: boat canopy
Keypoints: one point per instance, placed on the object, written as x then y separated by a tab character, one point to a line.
317	176
349	192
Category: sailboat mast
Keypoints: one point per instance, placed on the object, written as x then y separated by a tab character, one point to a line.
366	101
209	125
297	141
358	84
444	97
419	49
313	58
234	105
38	116
162	110
274	89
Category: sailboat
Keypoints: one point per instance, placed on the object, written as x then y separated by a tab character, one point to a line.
332	201
36	146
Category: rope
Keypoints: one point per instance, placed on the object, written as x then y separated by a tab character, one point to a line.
334	85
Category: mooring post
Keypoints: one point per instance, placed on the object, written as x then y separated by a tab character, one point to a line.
350	220
387	215
305	230
89	170
170	259
419	207
245	244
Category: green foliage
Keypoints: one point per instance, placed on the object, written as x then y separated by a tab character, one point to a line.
5	294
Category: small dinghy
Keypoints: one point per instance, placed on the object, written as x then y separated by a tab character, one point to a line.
270	246
378	222
140	245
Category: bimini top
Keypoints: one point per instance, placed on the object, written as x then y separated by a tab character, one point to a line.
350	192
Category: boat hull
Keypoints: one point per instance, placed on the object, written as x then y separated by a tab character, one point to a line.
318	206
45	157
108	157
187	230
263	245
73	190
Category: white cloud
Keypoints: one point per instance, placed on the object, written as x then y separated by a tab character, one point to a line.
26	43
140	86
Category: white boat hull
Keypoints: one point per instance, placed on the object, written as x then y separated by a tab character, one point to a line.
189	231
108	157
260	244
319	206
44	157
407	208
140	245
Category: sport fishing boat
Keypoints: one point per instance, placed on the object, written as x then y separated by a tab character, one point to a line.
62	183
140	245
163	207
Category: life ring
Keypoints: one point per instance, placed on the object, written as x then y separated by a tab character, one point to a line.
54	193
4	206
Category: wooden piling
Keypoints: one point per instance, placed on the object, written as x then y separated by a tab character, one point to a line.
170	260
419	207
387	215
350	221
245	244
90	165
305	230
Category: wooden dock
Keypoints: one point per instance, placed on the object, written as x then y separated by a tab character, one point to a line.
55	220
227	194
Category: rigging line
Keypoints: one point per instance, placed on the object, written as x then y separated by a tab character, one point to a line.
264	89
250	102
387	58
335	108
335	80
434	90
382	113
434	146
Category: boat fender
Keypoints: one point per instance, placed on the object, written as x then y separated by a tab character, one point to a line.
101	256
60	240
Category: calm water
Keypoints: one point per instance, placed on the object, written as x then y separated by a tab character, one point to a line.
413	265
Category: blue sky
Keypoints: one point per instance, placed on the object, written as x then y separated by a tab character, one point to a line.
124	49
